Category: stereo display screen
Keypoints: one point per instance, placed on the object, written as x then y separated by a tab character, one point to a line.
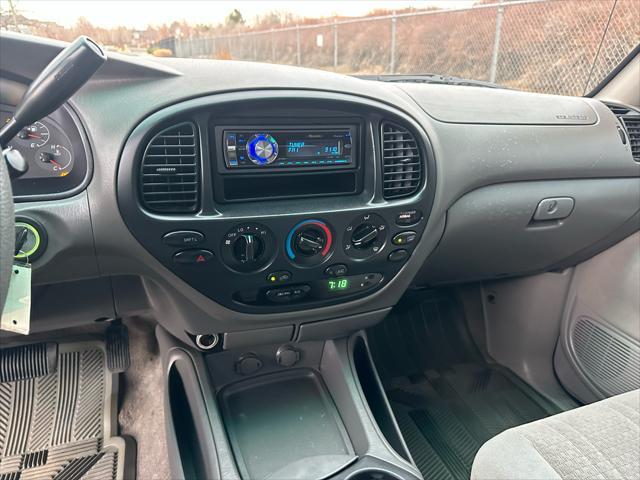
288	148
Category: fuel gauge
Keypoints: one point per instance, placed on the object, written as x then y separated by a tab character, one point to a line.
56	159
36	135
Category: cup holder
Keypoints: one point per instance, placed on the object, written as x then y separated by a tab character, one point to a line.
373	474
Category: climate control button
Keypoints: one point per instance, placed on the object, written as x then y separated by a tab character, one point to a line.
398	255
404	238
337	270
279	277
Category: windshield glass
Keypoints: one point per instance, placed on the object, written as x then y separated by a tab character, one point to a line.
551	46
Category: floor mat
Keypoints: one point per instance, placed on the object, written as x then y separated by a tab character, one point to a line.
57	413
446	399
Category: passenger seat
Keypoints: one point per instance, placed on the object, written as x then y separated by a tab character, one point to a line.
597	441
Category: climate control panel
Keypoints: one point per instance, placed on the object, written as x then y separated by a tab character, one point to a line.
284	263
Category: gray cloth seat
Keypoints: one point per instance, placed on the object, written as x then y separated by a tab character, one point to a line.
597	441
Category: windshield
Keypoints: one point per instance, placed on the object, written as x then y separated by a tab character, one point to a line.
551	46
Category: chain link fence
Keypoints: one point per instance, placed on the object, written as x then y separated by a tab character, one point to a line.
551	46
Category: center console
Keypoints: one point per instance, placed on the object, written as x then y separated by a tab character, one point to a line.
272	202
313	410
282	207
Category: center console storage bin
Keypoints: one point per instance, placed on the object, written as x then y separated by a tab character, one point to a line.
285	425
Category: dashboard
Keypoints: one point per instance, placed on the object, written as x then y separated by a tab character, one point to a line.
231	197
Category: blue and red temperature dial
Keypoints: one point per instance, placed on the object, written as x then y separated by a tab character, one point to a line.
309	242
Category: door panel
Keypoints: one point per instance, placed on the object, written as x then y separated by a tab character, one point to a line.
598	354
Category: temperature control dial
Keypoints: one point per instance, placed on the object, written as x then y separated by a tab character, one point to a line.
262	149
309	242
248	248
365	236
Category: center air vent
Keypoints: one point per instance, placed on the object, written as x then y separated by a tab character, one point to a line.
401	162
630	118
170	171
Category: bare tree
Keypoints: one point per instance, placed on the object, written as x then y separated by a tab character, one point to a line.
13	11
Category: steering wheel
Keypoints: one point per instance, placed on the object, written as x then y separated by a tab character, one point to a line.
7	231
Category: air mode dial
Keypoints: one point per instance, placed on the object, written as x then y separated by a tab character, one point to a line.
365	236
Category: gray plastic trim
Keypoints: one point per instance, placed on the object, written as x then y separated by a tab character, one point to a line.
490	234
260	336
70	253
500	106
215	449
523	317
339	327
606	290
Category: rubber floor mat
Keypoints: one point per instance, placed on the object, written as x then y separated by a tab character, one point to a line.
446	416
446	399
57	419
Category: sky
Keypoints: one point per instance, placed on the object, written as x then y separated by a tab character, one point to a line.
139	14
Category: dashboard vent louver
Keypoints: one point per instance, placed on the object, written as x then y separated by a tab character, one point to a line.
618	109
170	171
630	118
401	162
632	124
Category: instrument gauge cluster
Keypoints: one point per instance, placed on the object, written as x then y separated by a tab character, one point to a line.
56	151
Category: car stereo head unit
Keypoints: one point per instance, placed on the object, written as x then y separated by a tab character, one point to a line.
267	148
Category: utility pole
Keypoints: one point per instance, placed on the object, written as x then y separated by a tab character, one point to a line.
496	42
335	43
394	21
273	47
298	57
